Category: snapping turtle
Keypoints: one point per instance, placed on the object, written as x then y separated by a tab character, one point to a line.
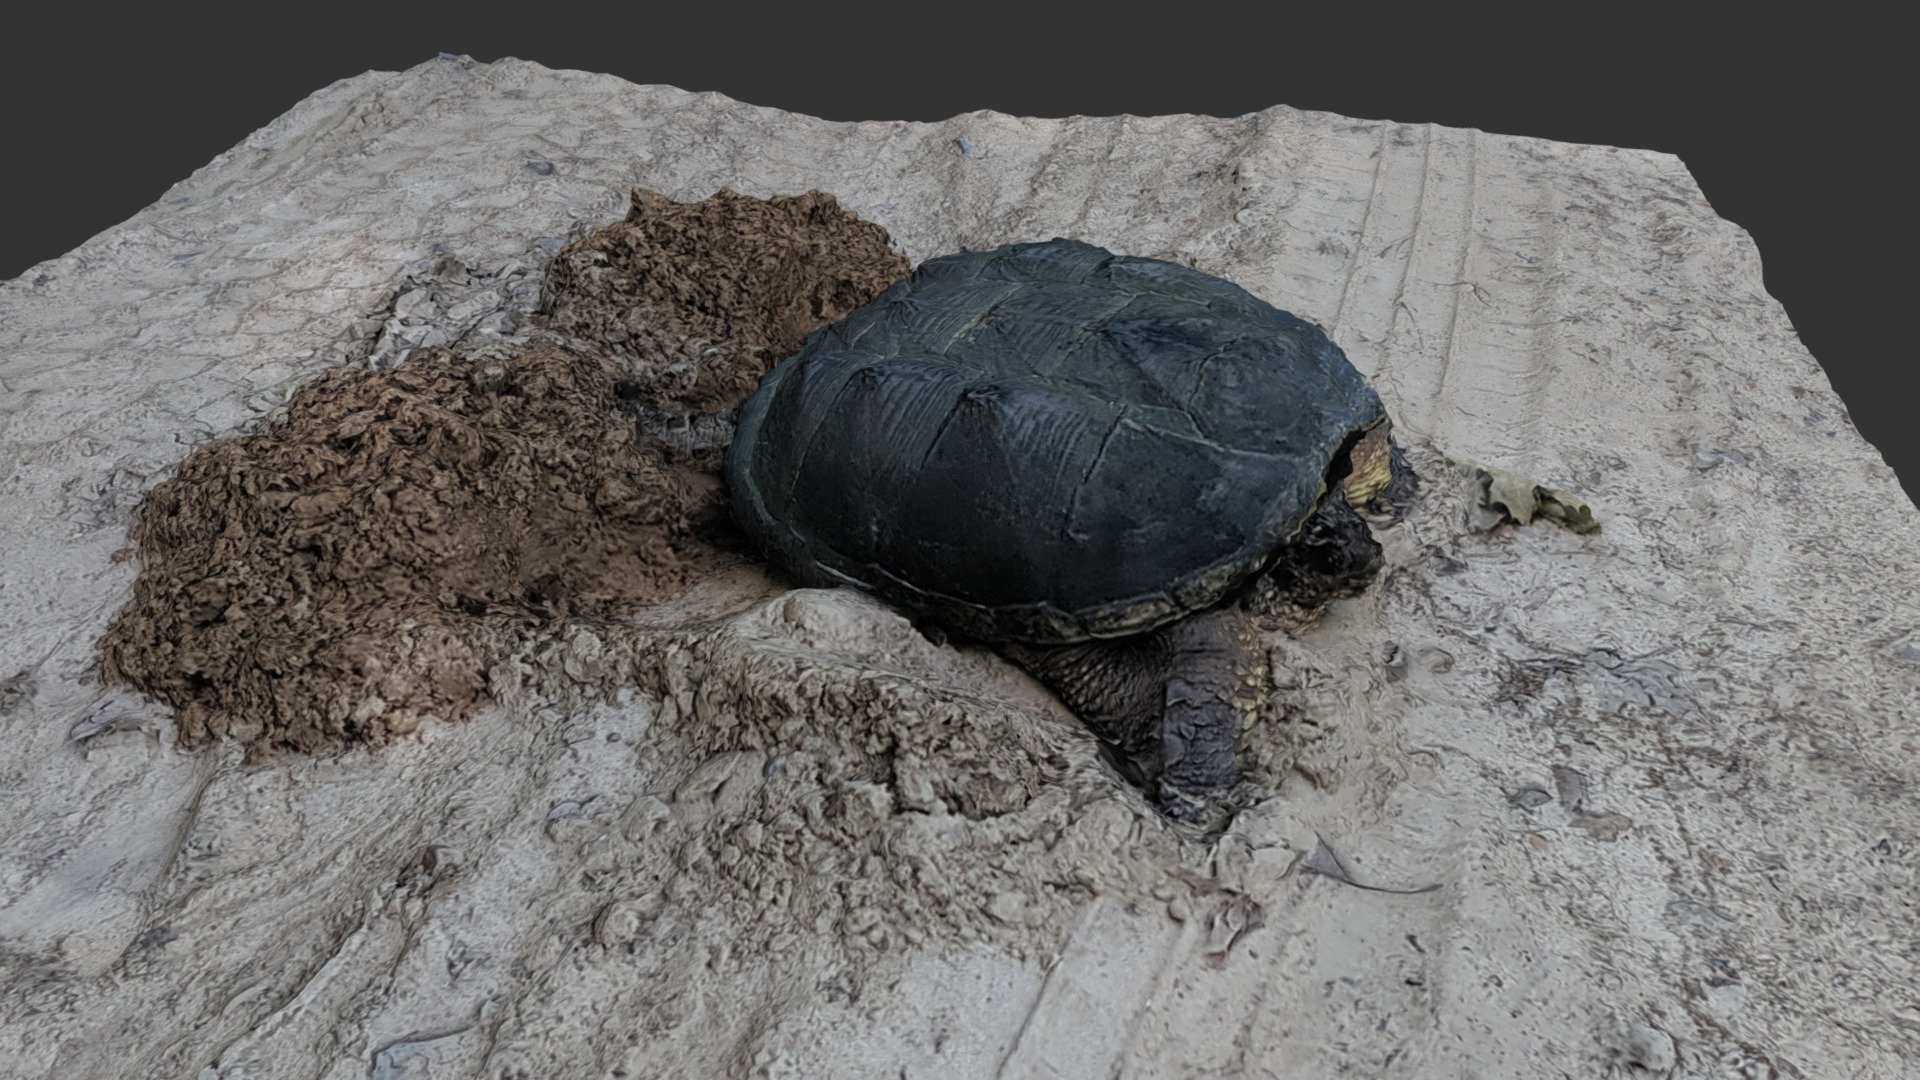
1085	458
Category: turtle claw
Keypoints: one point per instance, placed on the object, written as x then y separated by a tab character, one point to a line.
1201	815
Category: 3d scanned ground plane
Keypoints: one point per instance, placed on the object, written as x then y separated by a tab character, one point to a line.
508	572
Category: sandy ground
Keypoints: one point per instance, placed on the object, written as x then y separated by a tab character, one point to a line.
1633	802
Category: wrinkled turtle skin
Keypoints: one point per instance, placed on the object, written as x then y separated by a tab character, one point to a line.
1071	452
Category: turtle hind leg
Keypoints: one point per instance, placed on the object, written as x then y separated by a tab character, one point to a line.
1171	705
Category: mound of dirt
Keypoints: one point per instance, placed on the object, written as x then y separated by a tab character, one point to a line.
701	299
351	569
808	773
357	566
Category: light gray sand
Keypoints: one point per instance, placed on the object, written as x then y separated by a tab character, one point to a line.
1662	776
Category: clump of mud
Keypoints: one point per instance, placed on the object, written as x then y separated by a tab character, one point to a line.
699	300
358	565
353	568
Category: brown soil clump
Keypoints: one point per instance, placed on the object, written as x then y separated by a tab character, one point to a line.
357	565
363	562
701	299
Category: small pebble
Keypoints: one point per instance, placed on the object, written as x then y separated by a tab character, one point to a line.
1006	907
1645	1047
1529	798
1570	786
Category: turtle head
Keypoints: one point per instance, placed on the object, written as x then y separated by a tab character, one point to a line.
1369	466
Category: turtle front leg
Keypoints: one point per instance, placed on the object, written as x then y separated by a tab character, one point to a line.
1172	703
1216	684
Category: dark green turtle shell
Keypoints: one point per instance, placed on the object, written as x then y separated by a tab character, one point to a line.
1046	442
